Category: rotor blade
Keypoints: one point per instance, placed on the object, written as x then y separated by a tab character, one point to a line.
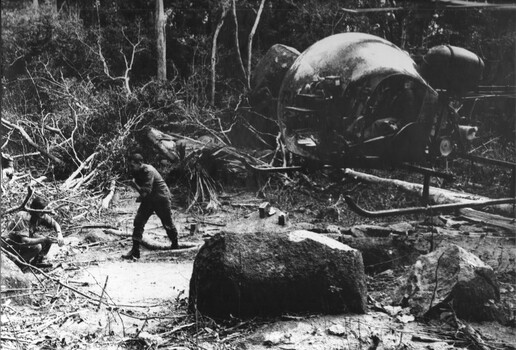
474	4
371	10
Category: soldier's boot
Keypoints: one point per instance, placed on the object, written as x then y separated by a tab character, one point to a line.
39	261
134	253
172	235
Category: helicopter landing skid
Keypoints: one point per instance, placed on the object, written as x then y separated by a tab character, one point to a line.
429	210
282	169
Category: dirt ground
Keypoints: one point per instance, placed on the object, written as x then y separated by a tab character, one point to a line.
145	300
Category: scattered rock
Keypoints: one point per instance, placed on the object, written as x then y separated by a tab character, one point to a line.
434	221
402	228
392	310
406	318
337	330
97	235
15	284
452	275
249	274
361	231
275	338
386	273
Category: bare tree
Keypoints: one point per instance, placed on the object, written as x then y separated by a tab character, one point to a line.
237	42
225	8
250	42
161	20
129	61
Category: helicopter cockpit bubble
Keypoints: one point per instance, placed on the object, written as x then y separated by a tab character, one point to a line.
350	89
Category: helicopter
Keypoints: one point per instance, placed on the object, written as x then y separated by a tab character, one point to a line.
356	100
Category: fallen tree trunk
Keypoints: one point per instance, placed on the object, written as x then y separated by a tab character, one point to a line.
168	144
436	195
109	196
70	182
488	219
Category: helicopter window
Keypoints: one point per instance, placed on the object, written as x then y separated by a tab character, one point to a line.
395	102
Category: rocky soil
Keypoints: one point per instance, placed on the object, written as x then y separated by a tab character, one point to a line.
143	303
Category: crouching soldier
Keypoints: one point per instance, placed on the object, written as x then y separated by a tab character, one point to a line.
22	239
154	198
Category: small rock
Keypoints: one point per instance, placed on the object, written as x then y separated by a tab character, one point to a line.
402	227
406	318
386	273
13	278
332	229
337	330
274	338
392	310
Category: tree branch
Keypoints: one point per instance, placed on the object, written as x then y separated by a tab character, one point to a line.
250	43
225	7
237	42
34	144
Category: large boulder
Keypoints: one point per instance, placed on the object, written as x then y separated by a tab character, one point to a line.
15	284
266	274
451	276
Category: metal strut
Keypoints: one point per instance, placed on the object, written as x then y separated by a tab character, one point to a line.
430	210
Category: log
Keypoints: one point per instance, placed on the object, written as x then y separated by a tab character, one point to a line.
70	181
489	219
107	200
167	144
436	195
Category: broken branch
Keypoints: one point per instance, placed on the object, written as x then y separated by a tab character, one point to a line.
27	138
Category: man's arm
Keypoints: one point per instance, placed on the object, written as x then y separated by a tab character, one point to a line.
52	223
26	241
57	228
146	181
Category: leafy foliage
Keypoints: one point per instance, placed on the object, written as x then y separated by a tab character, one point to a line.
81	80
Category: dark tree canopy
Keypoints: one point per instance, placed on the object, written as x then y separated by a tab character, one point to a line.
88	67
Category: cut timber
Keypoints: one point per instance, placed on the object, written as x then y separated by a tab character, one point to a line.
489	219
71	181
109	196
436	195
167	143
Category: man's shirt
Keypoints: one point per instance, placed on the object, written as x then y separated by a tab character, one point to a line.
22	226
151	183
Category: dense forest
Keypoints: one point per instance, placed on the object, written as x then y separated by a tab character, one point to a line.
324	257
82	78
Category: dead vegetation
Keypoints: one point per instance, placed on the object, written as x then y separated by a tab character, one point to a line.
60	311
